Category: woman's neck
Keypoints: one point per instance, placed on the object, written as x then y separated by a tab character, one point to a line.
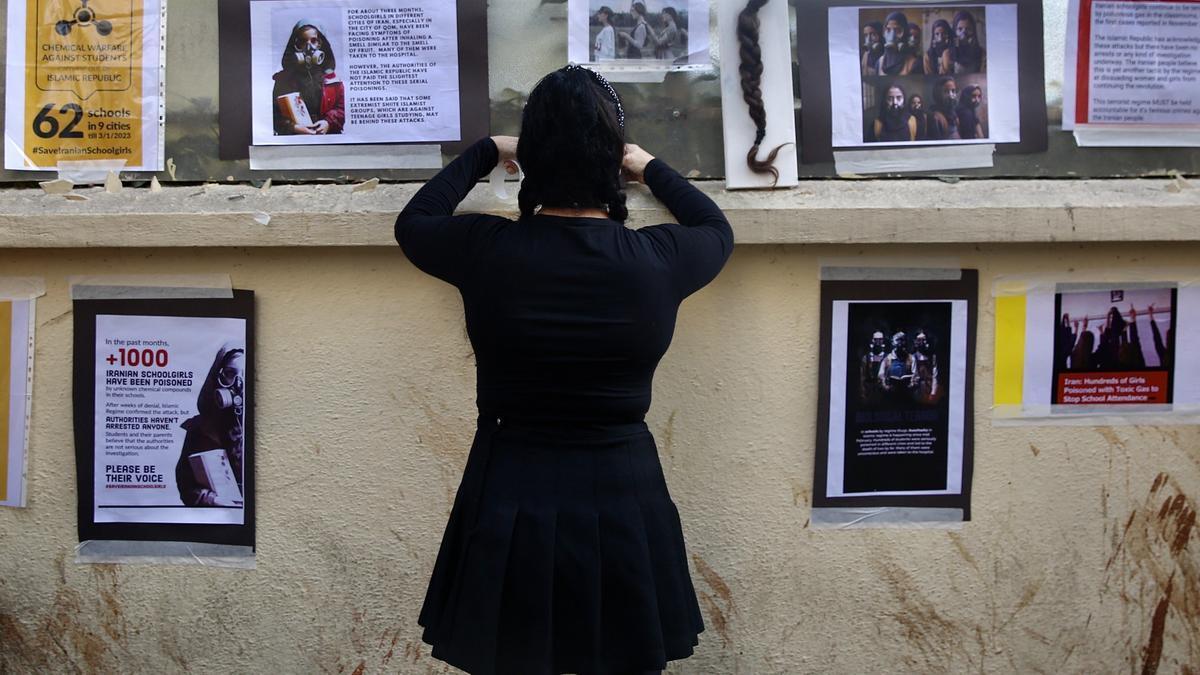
568	212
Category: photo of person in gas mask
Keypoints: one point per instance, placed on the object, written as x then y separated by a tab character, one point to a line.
218	425
927	388
969	56
309	97
939	58
870	388
896	58
872	47
943	117
897	370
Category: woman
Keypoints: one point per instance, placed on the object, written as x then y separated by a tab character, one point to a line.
641	36
916	108
896	59
564	552
668	39
606	39
309	71
894	123
939	58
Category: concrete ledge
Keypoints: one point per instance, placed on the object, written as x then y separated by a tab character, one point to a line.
817	212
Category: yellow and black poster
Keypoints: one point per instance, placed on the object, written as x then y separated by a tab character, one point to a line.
84	83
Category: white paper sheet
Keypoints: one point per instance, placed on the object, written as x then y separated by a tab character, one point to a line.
140	410
393	64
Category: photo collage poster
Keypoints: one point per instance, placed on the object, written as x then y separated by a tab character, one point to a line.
895	415
164	419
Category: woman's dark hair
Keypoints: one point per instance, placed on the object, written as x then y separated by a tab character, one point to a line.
672	12
751	70
639	8
883	91
571	145
606	10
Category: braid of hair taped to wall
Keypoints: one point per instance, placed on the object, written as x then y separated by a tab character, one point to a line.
751	70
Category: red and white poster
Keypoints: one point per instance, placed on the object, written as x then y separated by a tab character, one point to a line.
1133	72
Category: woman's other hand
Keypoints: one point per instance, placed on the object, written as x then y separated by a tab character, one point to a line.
635	161
507	146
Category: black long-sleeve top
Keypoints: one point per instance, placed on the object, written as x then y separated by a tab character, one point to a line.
568	316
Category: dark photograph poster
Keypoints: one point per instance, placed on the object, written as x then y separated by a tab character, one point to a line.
1114	346
895	417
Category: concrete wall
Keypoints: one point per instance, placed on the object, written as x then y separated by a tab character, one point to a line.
1083	555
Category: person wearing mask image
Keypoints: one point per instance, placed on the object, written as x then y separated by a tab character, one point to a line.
969	55
309	69
913	47
872	47
870	388
926	388
916	108
896	59
605	46
219	424
939	58
969	124
1161	347
896	369
943	118
894	122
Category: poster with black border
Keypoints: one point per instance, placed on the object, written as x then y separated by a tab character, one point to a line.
164	419
238	42
895	417
1001	85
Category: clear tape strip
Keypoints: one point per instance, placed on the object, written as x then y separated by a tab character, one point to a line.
164	553
22	288
1091	416
89	171
846	518
386	156
908	160
834	269
1097	280
150	286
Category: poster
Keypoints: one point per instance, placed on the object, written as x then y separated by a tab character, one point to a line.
84	83
924	75
1096	349
648	35
1132	73
894	87
354	71
895	397
163	419
16	378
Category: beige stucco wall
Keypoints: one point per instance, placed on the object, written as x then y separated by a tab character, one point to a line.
1074	562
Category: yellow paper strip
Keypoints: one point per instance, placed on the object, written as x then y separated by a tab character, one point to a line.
1010	349
5	388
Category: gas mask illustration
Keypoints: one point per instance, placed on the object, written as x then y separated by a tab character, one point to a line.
231	386
84	17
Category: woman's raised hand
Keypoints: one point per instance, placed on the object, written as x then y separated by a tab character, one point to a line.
635	161
507	145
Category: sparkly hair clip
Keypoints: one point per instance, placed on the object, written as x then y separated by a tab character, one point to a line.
607	86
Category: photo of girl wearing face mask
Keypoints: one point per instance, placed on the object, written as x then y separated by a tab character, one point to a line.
219	424
309	98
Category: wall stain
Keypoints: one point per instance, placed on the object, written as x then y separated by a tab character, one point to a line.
956	539
719	617
362	668
1155	555
921	624
63	639
1035	450
669	436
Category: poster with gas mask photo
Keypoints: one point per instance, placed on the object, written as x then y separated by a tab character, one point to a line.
164	419
354	71
895	425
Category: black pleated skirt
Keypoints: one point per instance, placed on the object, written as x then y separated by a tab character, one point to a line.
563	554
